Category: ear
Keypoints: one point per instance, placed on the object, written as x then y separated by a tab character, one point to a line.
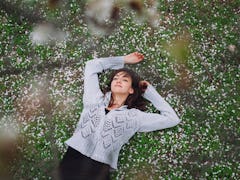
131	91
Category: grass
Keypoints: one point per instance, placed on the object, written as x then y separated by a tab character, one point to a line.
187	58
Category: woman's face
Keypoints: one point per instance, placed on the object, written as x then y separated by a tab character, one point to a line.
122	84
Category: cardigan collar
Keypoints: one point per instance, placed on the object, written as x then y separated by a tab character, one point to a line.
107	99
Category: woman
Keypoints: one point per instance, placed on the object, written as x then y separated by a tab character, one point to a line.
109	120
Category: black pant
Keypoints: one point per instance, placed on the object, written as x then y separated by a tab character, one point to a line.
76	166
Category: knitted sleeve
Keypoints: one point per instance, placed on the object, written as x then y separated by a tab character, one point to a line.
154	121
92	93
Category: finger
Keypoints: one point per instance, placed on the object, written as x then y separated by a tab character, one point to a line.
145	82
140	55
137	53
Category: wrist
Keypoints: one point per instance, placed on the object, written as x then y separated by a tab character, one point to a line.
125	59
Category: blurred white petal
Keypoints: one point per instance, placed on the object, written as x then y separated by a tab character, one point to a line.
98	13
154	17
100	10
46	33
231	48
9	128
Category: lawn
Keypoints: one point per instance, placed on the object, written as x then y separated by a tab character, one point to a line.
192	57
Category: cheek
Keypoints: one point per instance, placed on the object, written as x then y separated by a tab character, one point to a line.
111	84
128	85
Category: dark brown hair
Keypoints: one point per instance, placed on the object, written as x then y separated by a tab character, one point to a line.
134	100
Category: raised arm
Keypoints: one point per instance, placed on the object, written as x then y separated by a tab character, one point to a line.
154	121
92	93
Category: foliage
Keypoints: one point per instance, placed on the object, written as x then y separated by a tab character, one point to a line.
191	57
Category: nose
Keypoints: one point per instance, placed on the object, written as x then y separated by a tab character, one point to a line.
118	80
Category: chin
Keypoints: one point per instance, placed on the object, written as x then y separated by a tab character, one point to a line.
118	92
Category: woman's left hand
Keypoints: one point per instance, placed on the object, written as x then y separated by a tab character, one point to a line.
143	85
133	58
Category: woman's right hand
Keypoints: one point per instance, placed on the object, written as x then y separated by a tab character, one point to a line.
133	58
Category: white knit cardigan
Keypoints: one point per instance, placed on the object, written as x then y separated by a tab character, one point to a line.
100	136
